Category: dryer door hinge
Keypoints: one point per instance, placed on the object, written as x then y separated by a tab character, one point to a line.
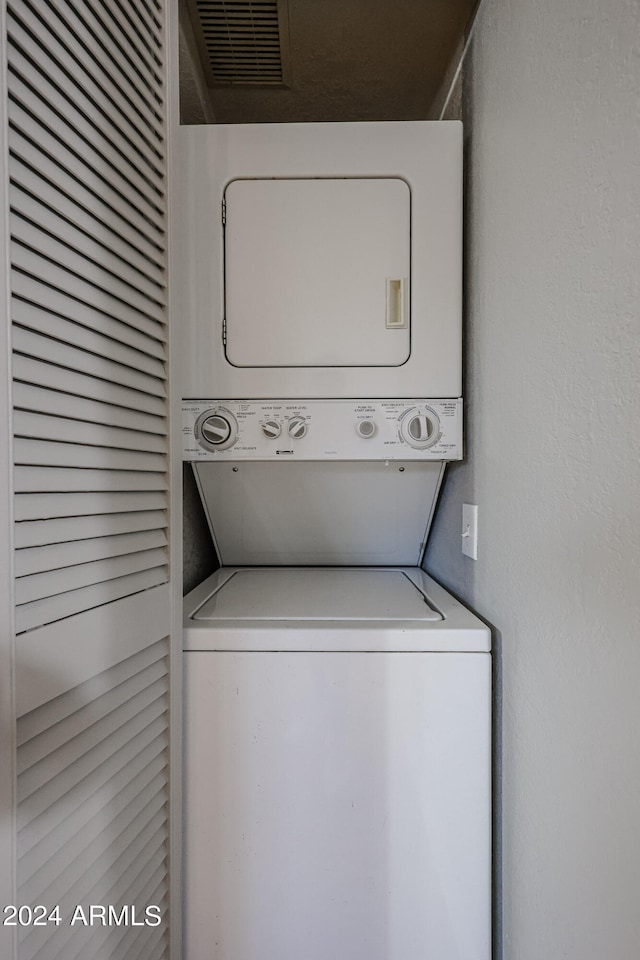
224	212
224	332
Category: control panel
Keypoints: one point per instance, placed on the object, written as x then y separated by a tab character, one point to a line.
322	429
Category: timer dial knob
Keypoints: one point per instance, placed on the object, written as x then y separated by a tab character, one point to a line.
216	430
420	430
271	429
297	428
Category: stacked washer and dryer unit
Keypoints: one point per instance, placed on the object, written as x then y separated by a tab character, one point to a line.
337	699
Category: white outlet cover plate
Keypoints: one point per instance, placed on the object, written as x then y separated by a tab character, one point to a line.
470	530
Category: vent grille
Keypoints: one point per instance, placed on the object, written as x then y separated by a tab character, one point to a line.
244	41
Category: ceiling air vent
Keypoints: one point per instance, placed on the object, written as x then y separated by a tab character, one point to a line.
244	42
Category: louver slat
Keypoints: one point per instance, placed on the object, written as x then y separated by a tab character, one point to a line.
33	298
145	26
63	720
80	136
33	399
52	351
47	507
130	943
64	67
110	14
80	877
140	743
132	72
49	454
56	818
59	587
38	533
93	888
39	939
62	480
107	267
31	560
53	845
115	237
42	427
90	240
67	96
38	724
63	769
66	141
43	321
33	269
86	87
93	821
88	170
107	63
31	615
147	947
72	357
70	258
84	801
43	374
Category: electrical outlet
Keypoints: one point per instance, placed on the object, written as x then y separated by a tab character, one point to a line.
470	530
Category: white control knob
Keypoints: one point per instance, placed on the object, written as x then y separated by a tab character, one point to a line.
297	427
271	429
216	430
366	429
420	430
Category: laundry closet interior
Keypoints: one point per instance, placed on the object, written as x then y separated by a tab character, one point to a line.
336	698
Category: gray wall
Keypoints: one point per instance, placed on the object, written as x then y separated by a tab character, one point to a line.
553	371
199	555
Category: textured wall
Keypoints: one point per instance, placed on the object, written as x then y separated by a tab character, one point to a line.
195	98
553	373
355	60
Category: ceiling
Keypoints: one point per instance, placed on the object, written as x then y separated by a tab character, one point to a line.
343	60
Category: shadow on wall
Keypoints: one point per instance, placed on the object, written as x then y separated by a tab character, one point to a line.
199	553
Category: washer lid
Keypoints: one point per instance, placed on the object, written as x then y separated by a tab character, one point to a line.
318	594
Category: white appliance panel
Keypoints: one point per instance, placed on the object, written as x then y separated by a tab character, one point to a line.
295	512
317	272
428	156
413	429
337	805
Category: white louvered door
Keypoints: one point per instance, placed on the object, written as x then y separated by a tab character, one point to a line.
86	148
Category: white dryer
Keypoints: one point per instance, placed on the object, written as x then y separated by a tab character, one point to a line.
319	260
337	768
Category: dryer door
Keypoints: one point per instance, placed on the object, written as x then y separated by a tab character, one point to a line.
317	272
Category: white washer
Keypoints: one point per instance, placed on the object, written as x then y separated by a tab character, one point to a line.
337	768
